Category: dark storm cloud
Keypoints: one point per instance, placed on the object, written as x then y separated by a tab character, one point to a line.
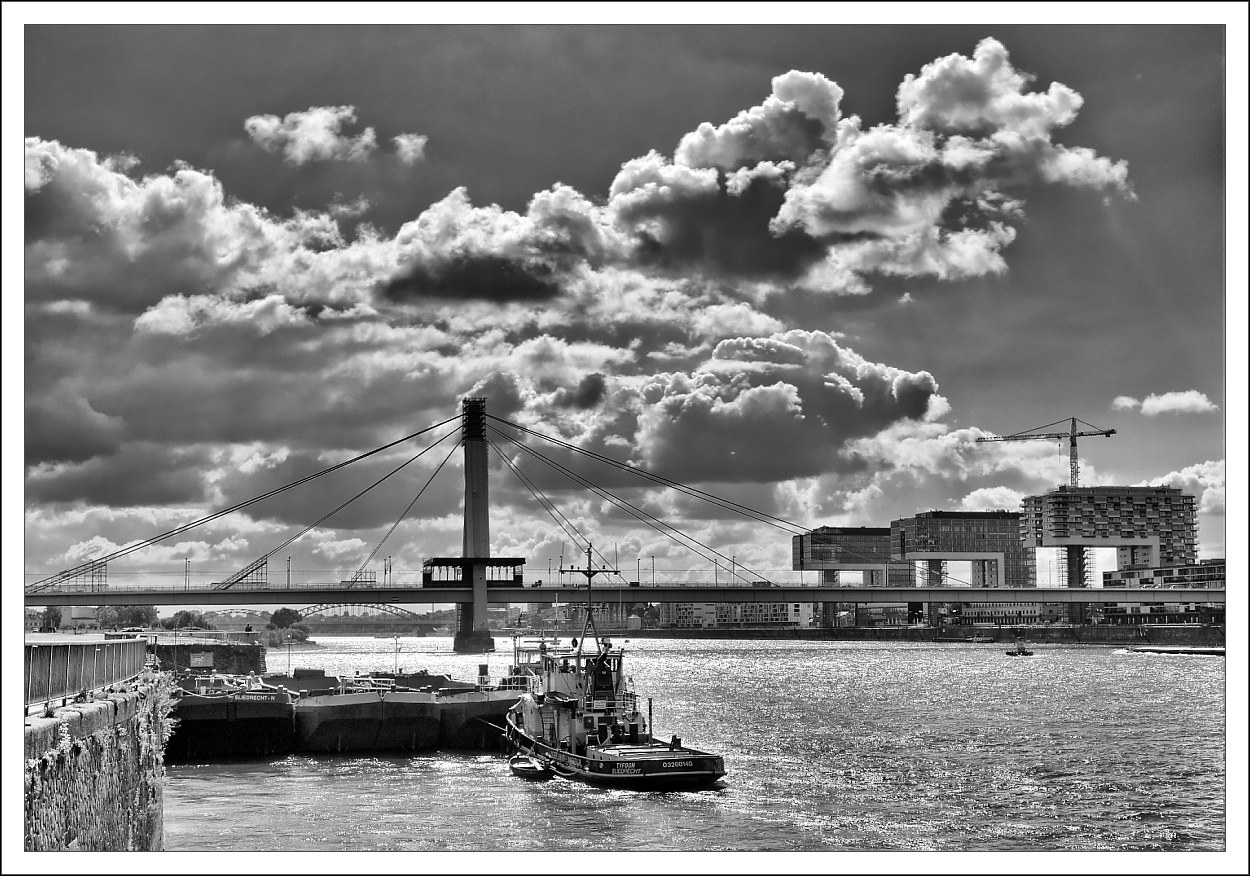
140	473
63	427
488	277
505	393
679	221
380	506
588	393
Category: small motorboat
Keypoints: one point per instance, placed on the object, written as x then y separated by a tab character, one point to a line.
527	767
1019	651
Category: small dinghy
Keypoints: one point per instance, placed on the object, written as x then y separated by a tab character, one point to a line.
529	767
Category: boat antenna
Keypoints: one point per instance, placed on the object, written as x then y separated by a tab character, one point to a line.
590	572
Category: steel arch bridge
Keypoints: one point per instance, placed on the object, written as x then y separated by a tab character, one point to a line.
375	606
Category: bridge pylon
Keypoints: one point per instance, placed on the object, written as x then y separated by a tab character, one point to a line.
472	634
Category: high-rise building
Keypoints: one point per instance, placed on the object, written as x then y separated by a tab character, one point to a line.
988	540
832	550
1149	526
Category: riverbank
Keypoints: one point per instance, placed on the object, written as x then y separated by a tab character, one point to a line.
1159	634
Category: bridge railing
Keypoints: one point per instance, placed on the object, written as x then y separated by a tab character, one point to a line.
62	671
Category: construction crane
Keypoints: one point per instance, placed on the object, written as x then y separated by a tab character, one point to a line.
1071	435
1077	565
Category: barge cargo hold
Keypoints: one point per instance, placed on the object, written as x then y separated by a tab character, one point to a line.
220	715
367	717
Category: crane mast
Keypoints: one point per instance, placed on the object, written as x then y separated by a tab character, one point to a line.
1076	569
1072	434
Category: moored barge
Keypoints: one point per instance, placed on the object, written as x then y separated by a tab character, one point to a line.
225	715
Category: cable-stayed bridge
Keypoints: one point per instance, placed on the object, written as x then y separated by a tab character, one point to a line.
475	579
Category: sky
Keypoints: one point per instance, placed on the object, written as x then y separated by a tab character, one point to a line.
801	266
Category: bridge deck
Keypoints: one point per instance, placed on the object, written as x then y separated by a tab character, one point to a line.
664	593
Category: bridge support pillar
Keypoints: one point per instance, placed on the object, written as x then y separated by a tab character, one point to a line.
473	635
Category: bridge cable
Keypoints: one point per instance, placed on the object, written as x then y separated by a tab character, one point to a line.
727	504
568	526
651	520
400	520
84	567
238	576
604	494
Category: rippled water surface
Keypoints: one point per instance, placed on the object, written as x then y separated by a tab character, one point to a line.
828	746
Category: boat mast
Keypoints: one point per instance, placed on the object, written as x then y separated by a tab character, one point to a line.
590	573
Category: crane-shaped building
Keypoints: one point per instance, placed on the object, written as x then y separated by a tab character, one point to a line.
1077	567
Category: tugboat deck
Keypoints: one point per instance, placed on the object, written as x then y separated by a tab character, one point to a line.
658	751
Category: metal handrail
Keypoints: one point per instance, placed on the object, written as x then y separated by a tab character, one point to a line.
64	671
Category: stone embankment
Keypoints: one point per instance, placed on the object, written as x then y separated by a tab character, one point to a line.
94	770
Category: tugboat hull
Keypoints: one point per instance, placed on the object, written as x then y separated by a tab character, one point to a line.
646	766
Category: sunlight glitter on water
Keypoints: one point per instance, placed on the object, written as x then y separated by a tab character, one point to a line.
865	746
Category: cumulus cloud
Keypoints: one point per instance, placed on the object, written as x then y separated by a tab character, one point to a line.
457	250
798	118
801	395
1204	480
982	95
316	135
1190	401
410	147
993	499
641	321
967	133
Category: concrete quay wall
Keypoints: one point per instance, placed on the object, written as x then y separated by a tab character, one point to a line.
94	771
231	658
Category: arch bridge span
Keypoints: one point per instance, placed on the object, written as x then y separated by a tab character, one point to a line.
376	607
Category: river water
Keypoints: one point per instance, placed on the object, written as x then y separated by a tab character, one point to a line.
828	745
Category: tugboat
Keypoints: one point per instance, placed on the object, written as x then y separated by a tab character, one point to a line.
579	717
1019	651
